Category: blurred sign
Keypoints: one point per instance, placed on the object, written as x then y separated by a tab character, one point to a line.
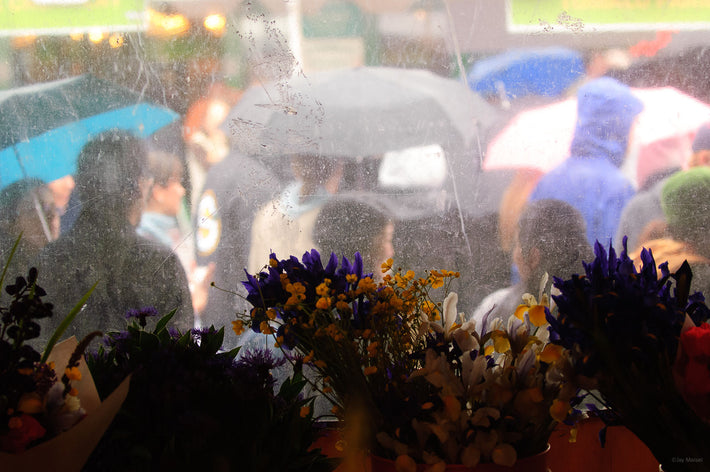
423	166
332	53
35	17
588	15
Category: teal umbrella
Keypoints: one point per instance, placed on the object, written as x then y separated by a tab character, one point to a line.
43	127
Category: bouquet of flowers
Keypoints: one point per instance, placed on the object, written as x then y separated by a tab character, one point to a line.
414	380
34	404
640	342
49	418
193	407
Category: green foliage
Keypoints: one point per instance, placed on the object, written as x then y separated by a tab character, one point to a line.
192	407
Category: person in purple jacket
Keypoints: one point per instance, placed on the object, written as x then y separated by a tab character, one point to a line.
590	179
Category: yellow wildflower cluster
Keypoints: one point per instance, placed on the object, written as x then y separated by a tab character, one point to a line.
298	294
413	293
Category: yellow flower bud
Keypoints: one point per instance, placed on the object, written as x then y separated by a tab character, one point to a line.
551	353
73	373
323	303
470	456
305	411
537	315
30	403
559	410
504	454
404	463
266	328
238	327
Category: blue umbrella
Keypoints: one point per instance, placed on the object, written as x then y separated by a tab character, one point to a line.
546	72
44	127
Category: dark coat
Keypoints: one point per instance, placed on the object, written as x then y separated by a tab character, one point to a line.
131	271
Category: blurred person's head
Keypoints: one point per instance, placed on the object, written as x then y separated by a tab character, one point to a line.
61	191
552	239
167	191
685	200
317	171
606	114
19	214
701	147
111	177
346	226
659	160
203	135
599	62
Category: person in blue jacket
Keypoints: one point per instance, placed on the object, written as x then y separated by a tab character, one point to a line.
590	179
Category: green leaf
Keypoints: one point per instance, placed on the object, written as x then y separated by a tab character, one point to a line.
212	342
65	323
163	322
164	336
184	339
148	342
7	263
292	387
230	354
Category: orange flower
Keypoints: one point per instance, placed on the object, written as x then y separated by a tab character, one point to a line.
551	353
266	328
305	411
323	303
30	403
559	410
238	327
73	373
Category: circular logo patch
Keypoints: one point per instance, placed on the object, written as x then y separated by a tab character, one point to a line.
209	224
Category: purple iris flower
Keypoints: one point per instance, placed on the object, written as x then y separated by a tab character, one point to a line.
635	310
142	314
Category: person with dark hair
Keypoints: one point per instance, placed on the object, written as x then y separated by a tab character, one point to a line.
103	248
159	222
550	239
26	208
345	226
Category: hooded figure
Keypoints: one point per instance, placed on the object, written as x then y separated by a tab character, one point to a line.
590	179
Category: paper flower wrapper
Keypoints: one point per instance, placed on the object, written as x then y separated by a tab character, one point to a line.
70	450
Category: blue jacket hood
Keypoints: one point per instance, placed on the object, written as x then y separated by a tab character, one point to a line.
606	110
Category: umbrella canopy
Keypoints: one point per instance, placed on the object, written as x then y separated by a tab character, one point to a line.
43	127
359	112
546	72
540	138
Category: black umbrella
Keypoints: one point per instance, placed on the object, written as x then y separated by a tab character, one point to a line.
365	111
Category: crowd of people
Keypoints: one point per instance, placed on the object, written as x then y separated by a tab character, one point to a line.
131	239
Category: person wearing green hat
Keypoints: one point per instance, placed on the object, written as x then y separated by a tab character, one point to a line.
642	218
685	200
